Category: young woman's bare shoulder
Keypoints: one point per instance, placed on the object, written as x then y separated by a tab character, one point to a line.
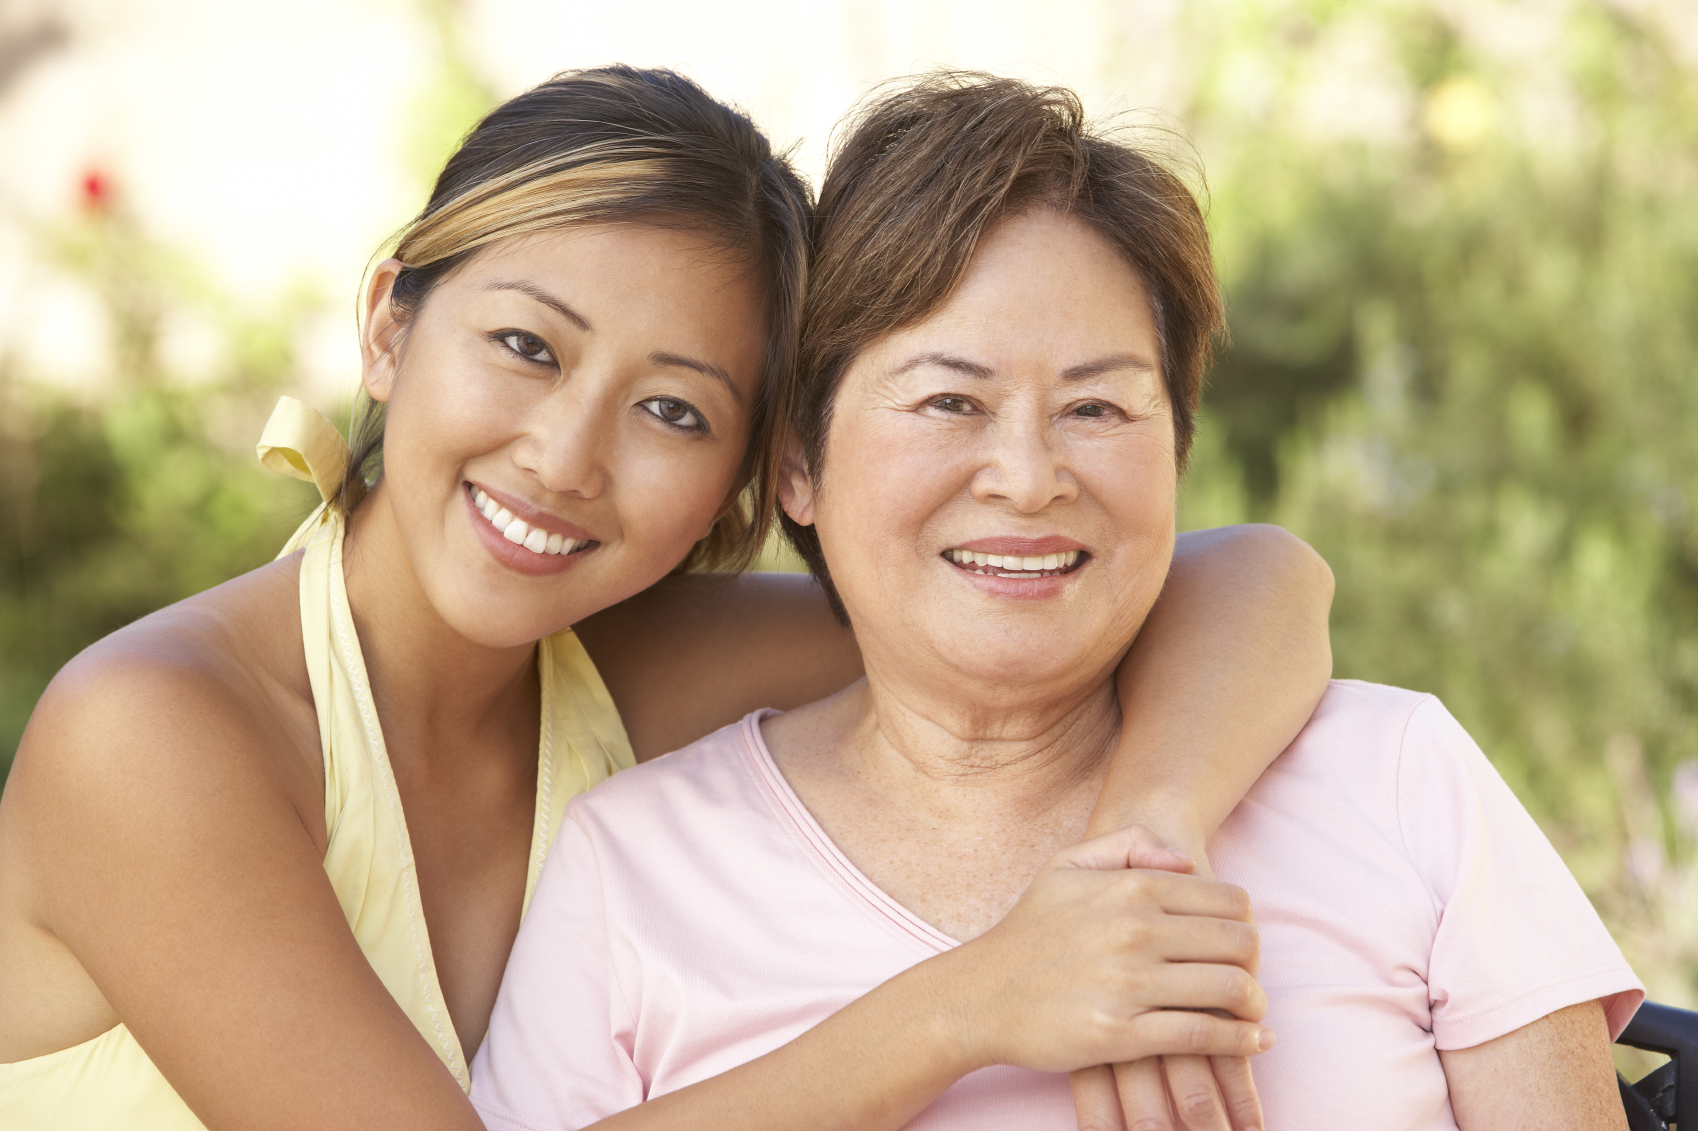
223	670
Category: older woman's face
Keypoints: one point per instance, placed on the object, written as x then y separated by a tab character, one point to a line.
998	488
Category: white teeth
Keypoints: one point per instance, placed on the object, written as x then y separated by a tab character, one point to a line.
535	539
1013	565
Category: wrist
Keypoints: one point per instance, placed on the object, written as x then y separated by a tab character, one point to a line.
954	1015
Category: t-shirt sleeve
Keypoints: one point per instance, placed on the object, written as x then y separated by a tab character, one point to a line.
1517	939
557	1055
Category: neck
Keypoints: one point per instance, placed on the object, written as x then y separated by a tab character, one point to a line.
991	759
435	690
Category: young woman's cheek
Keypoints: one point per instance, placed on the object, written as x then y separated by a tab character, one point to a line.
674	489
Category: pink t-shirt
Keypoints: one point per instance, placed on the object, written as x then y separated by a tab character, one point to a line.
693	916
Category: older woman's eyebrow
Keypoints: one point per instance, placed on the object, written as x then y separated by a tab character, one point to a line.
947	360
543	297
707	368
1106	365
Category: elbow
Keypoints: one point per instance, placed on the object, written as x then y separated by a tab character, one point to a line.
1301	566
1286	564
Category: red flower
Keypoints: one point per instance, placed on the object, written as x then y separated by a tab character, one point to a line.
96	192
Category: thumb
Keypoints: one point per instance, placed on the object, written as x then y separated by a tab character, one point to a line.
1131	847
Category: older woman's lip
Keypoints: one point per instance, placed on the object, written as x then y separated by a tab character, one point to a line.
1020	547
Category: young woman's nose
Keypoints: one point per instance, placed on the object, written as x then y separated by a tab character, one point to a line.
1023	467
566	442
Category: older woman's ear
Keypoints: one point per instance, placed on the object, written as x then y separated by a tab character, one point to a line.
795	486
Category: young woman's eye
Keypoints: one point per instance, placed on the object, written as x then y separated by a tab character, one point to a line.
528	346
679	414
952	404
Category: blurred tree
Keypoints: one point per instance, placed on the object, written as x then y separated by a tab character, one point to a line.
1464	368
108	513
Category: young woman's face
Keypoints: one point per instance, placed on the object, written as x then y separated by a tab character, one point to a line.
592	384
998	489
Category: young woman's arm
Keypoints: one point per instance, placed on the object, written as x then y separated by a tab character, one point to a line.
155	834
1226	670
1228	666
1556	1072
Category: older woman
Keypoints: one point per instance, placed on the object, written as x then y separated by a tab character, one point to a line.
1005	342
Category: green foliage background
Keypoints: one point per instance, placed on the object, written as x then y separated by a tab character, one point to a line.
1463	367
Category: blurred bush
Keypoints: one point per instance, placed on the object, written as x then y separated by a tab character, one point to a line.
1464	368
113	509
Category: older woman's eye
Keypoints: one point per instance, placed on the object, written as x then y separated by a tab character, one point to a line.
1091	410
679	414
528	346
952	404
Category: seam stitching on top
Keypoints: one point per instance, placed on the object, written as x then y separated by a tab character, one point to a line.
380	761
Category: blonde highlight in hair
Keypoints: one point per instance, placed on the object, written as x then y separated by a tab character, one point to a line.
535	198
621	145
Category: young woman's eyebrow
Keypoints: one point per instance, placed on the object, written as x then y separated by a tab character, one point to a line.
545	298
661	357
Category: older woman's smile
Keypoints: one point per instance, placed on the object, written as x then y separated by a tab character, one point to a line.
1018	557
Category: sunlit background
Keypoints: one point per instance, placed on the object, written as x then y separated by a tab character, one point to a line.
1459	240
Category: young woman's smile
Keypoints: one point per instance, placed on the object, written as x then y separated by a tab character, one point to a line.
570	402
524	538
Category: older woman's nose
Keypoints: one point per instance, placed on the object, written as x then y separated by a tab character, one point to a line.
565	444
1024	469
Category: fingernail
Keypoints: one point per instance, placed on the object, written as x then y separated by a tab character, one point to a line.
1179	852
1265	1039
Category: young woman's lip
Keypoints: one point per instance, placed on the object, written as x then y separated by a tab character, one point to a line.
1020	547
533	517
512	555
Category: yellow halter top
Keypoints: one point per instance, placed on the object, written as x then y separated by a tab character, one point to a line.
108	1082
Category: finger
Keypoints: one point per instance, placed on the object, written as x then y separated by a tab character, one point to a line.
1188	986
1157	1032
1186	895
1131	847
1238	1090
1143	1095
1195	938
1095	1101
1196	1100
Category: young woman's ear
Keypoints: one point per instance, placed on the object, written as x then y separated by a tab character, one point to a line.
795	486
380	332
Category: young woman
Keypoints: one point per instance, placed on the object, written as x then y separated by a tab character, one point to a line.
1026	390
263	854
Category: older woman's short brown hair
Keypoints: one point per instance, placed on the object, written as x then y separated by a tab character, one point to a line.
923	172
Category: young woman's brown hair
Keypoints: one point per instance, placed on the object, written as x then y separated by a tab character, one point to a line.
618	144
923	172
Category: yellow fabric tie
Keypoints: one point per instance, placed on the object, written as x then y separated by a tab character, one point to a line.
298	441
